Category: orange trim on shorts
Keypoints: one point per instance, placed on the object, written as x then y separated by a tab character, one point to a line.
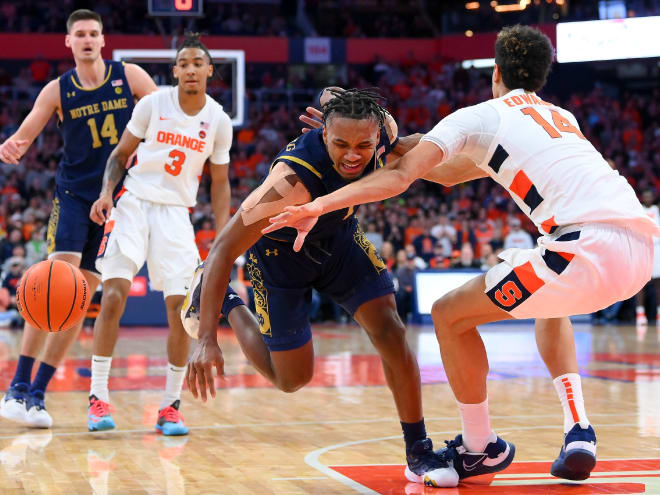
549	224
121	191
528	277
567	256
521	185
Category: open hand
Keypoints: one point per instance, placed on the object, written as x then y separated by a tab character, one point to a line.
302	218
313	118
206	355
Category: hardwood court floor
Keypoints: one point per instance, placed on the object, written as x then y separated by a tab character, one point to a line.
340	434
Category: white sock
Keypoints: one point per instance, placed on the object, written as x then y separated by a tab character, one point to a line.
477	432
100	373
569	389
173	384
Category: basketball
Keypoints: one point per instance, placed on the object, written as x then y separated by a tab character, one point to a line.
52	296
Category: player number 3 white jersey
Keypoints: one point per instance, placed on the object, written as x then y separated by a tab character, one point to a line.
175	147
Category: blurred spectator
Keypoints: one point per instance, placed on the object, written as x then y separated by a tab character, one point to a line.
405	275
387	253
411	253
36	249
466	259
15	238
204	238
374	236
445	234
517	237
15	267
424	244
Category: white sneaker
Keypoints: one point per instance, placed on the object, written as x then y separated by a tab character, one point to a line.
37	416
190	306
12	405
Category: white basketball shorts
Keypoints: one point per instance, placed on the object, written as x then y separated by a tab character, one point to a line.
578	269
162	235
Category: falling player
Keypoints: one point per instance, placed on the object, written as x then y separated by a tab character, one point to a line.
339	262
181	127
593	250
93	102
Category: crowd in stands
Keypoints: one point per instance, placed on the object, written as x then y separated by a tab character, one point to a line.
430	226
343	18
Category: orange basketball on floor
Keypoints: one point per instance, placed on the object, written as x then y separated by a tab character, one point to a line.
52	295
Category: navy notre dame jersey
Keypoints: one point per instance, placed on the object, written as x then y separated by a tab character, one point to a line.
308	157
93	121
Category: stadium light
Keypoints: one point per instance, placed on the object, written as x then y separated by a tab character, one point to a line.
514	7
478	63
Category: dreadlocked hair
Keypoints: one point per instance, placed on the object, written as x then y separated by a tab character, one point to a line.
355	104
193	40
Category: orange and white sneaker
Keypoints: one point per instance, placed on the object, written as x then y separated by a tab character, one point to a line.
170	420
98	415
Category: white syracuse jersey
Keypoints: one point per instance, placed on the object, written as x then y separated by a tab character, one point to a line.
536	151
175	147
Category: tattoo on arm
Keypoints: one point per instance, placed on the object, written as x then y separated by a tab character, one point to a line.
114	170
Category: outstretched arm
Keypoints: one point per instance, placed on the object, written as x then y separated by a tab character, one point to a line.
384	183
46	104
281	188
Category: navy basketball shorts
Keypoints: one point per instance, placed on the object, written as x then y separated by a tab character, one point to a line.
231	301
70	229
346	267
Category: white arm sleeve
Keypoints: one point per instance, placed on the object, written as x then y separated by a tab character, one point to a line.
222	143
467	131
141	117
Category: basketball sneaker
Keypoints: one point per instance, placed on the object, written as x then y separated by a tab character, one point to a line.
577	456
36	415
190	307
497	456
170	420
12	405
98	415
428	467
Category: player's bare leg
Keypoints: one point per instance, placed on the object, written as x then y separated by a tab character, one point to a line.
106	326
556	344
287	370
386	331
246	329
456	316
106	331
381	321
25	400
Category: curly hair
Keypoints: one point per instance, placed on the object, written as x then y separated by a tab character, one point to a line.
524	56
355	104
193	40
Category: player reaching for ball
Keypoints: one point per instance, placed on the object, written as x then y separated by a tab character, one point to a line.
93	102
175	131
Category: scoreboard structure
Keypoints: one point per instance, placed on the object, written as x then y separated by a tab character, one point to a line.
192	8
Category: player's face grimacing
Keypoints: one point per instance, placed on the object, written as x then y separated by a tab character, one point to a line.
351	144
192	69
85	40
